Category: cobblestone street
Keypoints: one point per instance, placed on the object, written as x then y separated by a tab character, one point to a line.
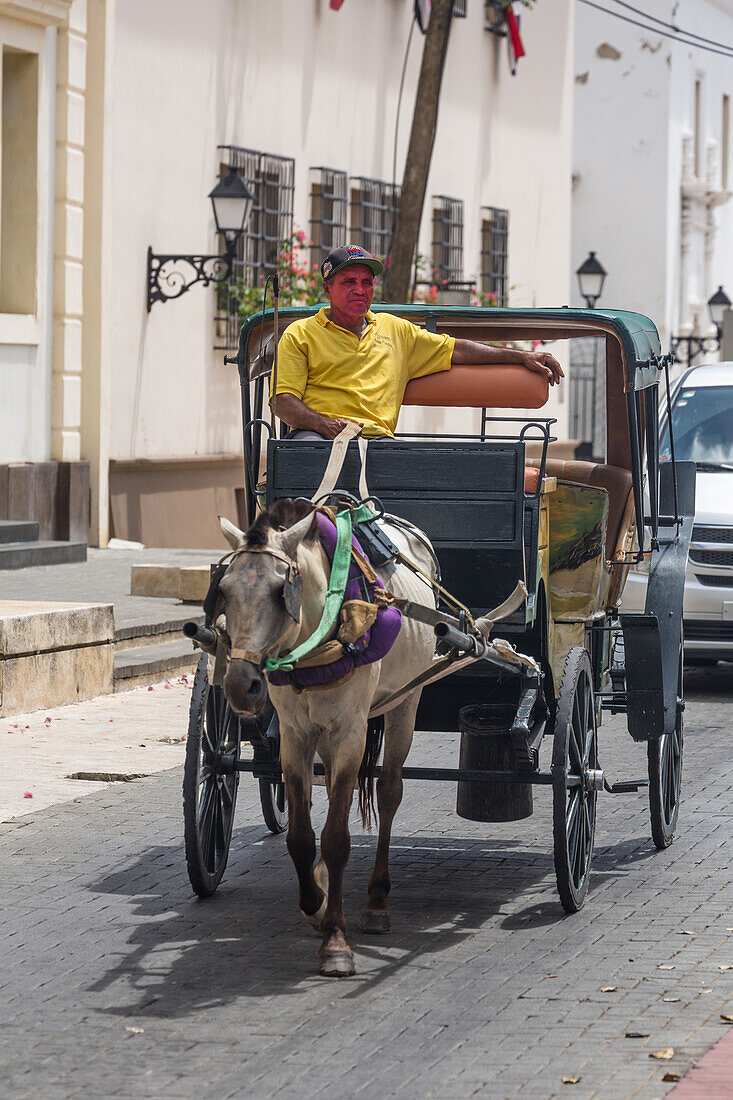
117	982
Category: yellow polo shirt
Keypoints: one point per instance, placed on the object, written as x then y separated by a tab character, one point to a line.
362	378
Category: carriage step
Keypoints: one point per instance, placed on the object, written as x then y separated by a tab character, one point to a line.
148	664
626	786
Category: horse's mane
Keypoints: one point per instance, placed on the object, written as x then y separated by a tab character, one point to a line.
281	515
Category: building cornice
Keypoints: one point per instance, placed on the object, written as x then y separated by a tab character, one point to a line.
42	13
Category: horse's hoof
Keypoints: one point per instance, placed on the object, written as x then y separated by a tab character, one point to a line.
375	921
314	919
337	964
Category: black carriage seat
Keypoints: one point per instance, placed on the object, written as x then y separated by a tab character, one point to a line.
617	483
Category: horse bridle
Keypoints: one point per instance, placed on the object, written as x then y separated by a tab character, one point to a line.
292	596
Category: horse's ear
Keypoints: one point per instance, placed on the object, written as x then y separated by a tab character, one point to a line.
293	536
232	534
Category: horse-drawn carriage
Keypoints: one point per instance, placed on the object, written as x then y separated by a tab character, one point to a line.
499	509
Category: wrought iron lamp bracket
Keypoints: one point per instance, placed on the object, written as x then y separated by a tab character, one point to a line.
171	275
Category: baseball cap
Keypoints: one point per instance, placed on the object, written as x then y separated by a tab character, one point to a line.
345	256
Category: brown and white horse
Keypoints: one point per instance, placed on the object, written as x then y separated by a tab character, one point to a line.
331	721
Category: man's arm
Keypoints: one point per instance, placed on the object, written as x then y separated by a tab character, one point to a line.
297	415
469	352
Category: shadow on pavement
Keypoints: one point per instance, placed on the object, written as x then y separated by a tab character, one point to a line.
249	940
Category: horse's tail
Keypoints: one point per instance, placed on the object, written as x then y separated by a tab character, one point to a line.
372	749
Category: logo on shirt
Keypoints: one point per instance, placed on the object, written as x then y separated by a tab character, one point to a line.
385	340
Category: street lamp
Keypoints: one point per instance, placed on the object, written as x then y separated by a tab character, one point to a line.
171	275
718	303
717	306
591	277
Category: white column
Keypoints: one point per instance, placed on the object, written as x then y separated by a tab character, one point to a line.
69	237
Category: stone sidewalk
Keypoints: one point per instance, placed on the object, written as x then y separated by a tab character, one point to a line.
116	981
137	732
103	578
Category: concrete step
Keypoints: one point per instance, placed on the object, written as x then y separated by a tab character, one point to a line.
148	633
20	555
148	664
18	530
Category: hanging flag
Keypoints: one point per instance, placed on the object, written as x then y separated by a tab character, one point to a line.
516	48
422	13
336	4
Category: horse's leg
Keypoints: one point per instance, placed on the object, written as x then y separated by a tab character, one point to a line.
398	730
297	766
342	764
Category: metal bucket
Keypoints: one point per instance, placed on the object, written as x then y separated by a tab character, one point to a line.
486	746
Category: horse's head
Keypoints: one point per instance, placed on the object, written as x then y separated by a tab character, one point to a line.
261	590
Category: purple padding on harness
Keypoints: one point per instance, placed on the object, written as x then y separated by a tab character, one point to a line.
374	645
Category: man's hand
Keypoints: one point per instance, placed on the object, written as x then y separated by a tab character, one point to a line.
329	427
543	363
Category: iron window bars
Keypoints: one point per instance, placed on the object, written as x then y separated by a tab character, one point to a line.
328	211
373	212
447	255
495	253
271	180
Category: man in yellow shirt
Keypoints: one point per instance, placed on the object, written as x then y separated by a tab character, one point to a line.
347	363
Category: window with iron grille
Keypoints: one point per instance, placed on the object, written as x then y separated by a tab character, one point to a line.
495	253
459	9
495	17
447	255
270	179
373	211
328	211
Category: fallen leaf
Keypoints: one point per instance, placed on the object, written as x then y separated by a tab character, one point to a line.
672	1077
665	1054
27	794
706	991
684	932
665	966
546	975
135	1030
670	1000
608	989
571	1080
729	929
178	740
726	966
726	1017
637	1035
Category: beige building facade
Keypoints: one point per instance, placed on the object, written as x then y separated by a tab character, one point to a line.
139	106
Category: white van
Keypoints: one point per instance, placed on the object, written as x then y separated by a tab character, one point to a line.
702	418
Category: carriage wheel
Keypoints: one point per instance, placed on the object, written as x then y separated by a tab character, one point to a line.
210	782
575	777
664	759
274	805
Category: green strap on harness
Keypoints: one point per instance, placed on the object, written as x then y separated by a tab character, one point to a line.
336	588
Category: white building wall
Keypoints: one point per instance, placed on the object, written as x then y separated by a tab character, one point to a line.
634	102
299	80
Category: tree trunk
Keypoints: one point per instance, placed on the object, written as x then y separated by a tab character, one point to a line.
419	153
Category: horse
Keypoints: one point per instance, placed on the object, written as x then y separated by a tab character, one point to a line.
331	720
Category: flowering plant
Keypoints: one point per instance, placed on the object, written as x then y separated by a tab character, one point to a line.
300	283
